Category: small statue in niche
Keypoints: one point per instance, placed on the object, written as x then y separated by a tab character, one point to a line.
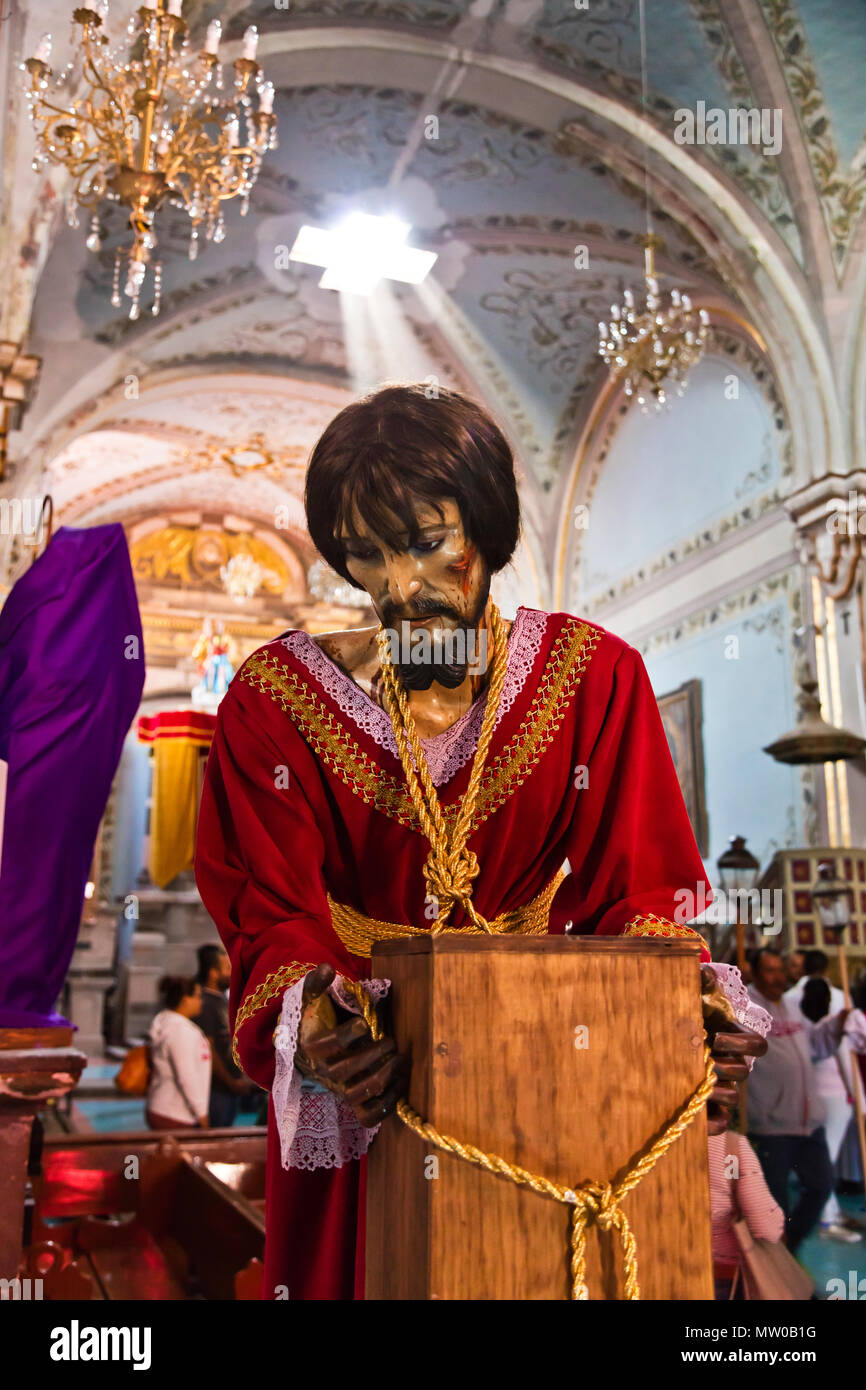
215	655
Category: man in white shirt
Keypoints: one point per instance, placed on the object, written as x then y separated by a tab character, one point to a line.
819	1000
816	967
785	1112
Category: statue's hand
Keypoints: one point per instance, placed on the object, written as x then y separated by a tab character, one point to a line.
370	1076
730	1043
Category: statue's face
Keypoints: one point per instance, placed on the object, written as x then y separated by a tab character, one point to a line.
440	583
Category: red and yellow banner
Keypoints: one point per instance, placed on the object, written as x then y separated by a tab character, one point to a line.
178	737
192	724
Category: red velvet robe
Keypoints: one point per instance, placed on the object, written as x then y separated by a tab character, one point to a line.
578	768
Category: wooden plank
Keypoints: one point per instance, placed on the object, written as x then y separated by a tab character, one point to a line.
249	1282
219	1230
496	1021
399	1197
190	1216
98	1290
236	1136
13	1038
246	1178
85	1174
137	1271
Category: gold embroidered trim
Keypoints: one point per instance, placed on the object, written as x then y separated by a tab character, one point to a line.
329	738
569	657
648	924
359	933
567	660
276	983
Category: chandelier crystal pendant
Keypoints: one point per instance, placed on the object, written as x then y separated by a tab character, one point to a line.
656	346
154	123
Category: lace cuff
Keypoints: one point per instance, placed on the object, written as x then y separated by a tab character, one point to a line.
317	1128
748	1013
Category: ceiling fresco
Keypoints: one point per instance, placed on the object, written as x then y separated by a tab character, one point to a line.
839	178
235	16
510	276
690	58
833	33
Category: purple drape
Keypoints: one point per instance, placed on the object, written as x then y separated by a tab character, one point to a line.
71	677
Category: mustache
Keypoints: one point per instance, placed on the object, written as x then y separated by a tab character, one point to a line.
419	609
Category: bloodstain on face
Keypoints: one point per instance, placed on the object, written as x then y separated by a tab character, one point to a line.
463	568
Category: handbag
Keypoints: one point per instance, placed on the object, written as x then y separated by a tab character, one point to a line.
767	1268
133	1078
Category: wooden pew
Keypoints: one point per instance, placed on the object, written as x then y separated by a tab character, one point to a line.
169	1215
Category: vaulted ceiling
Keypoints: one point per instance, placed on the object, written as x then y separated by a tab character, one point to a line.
540	149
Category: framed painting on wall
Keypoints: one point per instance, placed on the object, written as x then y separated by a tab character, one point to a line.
683	719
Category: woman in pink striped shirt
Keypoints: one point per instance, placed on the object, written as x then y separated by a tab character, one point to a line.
733	1160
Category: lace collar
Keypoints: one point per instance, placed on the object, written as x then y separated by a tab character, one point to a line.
447	752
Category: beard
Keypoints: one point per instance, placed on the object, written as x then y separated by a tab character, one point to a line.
420	675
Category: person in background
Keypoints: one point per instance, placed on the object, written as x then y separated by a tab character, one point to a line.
228	1082
180	1059
816	967
747	968
733	1160
858	999
832	1077
795	966
785	1112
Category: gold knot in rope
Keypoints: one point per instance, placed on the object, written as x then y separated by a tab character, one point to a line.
451	883
598	1202
451	868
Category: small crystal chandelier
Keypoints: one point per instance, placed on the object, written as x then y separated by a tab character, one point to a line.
658	345
243	576
154	124
327	586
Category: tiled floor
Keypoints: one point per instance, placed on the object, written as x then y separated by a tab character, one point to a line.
108	1116
110	1113
99	1071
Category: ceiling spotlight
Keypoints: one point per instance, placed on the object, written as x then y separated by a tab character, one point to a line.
362	251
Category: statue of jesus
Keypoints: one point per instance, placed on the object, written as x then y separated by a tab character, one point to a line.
445	769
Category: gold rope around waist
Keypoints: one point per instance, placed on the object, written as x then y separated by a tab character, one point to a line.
359	933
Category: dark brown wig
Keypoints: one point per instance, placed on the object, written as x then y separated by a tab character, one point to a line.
174	988
398	445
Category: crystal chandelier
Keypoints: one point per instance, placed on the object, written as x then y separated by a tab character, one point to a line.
155	123
656	345
243	576
327	586
659	344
